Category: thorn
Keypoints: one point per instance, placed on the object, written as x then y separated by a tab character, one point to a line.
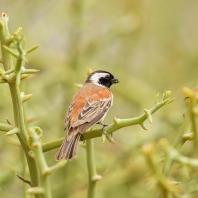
115	120
53	168
173	183
166	94
9	71
24	58
78	85
46	172
35	190
35	144
24	76
18	31
168	101
4	14
32	49
12	131
96	178
31	154
163	97
9	50
105	172
143	126
8	121
156	99
89	71
38	131
103	137
110	138
26	97
188	136
29	71
24	180
186	98
148	114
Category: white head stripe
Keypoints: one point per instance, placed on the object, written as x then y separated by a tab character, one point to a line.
95	77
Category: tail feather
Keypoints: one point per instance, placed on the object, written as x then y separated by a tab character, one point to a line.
68	149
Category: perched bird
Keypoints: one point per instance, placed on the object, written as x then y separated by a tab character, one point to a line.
89	106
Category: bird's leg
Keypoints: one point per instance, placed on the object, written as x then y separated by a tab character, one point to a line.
104	125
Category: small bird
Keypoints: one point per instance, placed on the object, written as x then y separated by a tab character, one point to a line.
89	106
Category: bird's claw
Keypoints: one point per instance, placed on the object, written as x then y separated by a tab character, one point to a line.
104	126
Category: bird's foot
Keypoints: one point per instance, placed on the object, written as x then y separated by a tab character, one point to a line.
104	126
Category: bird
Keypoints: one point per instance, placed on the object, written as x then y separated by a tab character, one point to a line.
89	106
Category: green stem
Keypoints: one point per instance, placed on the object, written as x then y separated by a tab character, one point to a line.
165	187
16	100
24	175
22	135
52	144
42	165
193	103
179	142
117	124
174	154
92	174
44	171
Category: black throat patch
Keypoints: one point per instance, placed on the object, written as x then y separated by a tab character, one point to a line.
106	82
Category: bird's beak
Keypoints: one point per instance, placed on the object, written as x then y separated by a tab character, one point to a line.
115	80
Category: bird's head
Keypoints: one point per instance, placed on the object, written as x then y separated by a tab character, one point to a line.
102	78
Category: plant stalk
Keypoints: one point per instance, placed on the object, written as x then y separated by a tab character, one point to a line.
92	174
16	99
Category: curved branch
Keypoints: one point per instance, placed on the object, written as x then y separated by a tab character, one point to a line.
117	124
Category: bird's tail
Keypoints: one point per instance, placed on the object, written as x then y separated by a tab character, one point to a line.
68	149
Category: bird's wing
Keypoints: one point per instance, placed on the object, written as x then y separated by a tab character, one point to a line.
68	116
92	112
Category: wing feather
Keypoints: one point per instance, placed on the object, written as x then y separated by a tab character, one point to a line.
68	116
83	127
92	110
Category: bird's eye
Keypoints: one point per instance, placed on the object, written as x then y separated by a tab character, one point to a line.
107	77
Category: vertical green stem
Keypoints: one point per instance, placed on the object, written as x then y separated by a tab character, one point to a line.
93	177
193	103
186	125
43	188
16	100
24	175
42	166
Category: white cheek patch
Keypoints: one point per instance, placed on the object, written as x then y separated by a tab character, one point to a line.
95	78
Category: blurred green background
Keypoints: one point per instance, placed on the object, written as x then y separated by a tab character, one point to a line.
151	46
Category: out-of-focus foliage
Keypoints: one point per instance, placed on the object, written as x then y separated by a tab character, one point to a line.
150	46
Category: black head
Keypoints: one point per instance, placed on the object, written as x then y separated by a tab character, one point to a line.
103	78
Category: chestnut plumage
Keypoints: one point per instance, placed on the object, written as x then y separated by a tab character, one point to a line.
88	107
